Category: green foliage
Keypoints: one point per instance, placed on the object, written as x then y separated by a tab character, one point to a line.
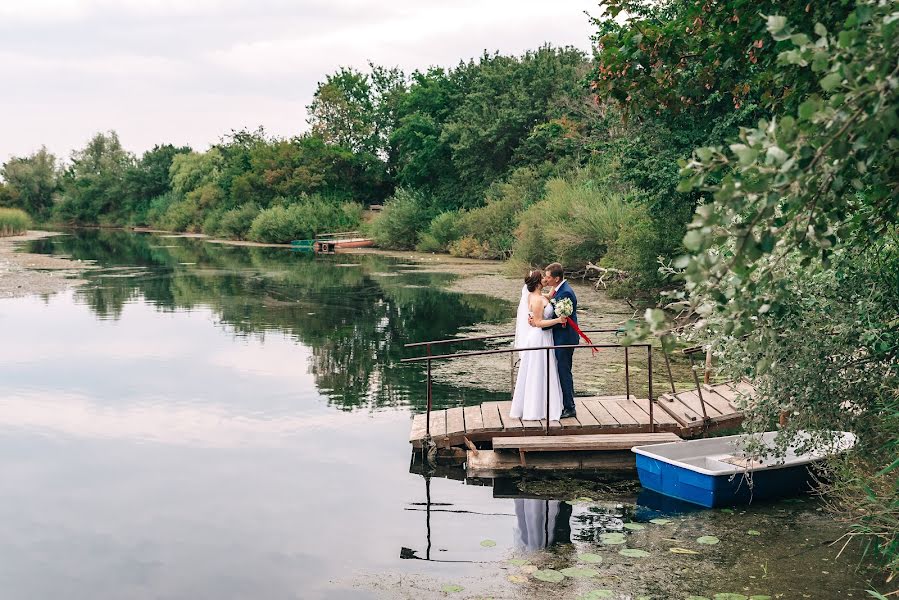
94	183
826	355
358	111
236	223
803	184
303	220
13	221
404	216
32	182
489	231
443	231
793	266
578	222
146	179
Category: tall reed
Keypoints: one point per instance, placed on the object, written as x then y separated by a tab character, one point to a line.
13	221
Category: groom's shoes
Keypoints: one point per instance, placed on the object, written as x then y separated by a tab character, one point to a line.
568	412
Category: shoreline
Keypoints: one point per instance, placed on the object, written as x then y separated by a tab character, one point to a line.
25	274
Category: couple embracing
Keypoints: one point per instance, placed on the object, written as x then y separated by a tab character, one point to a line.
541	323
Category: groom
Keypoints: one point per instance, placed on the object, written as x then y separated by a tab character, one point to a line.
563	335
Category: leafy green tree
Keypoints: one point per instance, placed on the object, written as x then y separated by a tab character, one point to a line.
149	178
32	182
356	110
793	264
504	99
94	183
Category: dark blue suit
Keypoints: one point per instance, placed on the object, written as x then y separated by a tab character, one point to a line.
566	336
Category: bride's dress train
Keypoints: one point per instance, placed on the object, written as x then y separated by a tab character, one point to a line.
529	399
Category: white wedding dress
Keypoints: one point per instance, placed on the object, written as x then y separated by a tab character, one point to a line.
529	399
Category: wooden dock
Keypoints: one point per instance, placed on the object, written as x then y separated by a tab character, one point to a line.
680	413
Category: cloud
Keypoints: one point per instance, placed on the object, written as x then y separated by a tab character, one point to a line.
175	71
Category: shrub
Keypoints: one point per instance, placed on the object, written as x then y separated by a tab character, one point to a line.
235	223
181	215
577	222
493	226
13	221
302	220
398	226
158	207
469	247
443	231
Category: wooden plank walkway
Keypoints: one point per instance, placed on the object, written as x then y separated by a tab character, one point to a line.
679	413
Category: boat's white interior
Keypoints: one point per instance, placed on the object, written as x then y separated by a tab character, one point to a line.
725	456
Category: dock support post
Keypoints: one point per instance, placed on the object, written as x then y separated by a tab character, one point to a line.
627	374
547	397
652	422
429	395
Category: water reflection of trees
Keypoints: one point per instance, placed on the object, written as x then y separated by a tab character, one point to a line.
354	318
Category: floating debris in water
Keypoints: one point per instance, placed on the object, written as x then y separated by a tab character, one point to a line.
633	553
597	595
682	551
517	578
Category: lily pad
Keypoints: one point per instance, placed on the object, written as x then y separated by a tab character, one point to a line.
518	562
451	588
590	558
597	595
728	511
697	598
676	550
708	540
730	596
760	597
753	532
583	500
660	521
633	553
488	543
529	569
548	575
579	572
613	538
634	526
517	578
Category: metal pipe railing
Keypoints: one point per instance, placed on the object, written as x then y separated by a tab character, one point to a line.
481	338
430	357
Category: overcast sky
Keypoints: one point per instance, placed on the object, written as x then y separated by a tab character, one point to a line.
189	71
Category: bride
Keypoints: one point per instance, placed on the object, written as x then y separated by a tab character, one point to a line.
529	399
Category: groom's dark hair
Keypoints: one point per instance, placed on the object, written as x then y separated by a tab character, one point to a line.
555	270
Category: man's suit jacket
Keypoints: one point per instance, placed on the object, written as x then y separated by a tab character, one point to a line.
566	335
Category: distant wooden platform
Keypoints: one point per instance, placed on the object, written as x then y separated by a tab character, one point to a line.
679	413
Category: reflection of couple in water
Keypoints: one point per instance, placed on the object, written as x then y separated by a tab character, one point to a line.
541	523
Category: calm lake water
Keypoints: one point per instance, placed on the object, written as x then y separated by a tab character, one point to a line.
210	421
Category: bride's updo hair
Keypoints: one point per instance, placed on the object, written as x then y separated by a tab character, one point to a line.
533	280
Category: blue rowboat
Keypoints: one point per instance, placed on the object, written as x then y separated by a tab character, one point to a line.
716	472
